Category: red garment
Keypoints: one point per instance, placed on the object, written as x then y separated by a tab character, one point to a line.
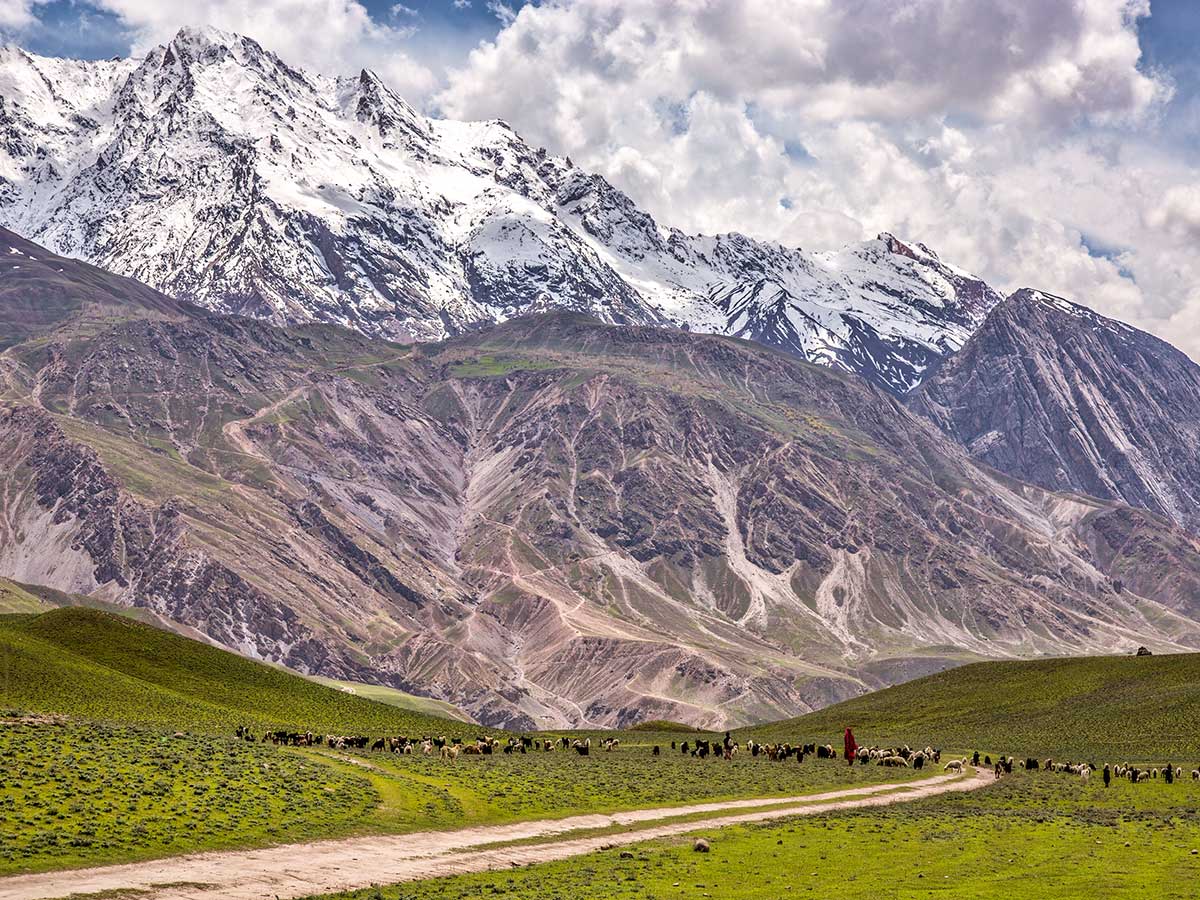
851	746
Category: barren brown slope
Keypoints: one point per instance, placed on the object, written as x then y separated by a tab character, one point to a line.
552	521
39	289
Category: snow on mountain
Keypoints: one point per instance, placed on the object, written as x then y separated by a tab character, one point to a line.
214	171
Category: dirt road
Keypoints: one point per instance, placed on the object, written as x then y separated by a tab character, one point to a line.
297	870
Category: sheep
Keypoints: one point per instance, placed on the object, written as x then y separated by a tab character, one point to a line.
955	765
894	762
1195	774
1086	774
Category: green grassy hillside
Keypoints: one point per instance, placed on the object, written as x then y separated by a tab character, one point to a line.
127	692
382	694
14	598
1102	707
100	666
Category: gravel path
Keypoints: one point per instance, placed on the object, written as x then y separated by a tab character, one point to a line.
297	870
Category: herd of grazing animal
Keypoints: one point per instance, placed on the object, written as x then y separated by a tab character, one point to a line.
449	749
445	748
897	757
1169	773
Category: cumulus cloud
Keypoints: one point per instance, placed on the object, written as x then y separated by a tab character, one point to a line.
16	15
1010	135
333	36
1179	211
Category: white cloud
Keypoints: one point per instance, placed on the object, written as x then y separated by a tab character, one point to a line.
1179	211
16	15
332	36
502	11
1012	136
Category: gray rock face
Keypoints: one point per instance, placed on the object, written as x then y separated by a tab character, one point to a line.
549	522
1055	394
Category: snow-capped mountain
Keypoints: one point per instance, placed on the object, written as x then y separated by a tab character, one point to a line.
215	172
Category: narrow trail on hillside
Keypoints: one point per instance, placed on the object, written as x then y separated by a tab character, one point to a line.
298	870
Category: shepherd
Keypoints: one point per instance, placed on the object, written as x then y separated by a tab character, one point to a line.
851	747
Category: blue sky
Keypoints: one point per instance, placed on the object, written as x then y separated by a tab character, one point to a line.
81	29
1170	37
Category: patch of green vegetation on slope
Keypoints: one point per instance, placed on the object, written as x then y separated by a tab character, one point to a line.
487	365
1031	837
428	706
104	667
1101	708
14	598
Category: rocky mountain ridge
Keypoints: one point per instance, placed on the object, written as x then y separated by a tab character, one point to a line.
549	522
217	173
1053	393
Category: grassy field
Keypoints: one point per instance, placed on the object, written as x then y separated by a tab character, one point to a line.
90	703
1100	708
509	788
103	667
76	793
1030	837
85	793
98	706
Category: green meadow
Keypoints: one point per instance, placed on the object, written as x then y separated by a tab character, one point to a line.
117	742
77	793
1109	708
122	738
104	667
1031	836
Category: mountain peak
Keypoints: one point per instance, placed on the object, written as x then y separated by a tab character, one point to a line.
202	44
913	250
1052	392
208	36
1031	298
297	197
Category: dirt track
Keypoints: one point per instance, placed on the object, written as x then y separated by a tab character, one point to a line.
297	870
